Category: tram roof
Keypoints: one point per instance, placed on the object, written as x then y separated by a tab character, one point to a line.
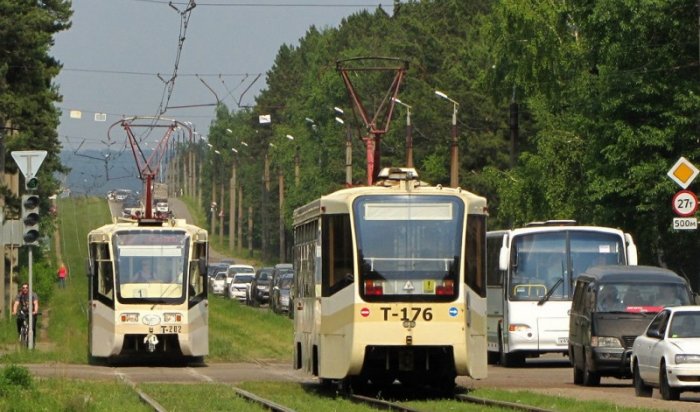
166	225
340	201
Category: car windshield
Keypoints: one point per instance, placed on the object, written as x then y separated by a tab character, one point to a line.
640	297
286	282
685	325
242	279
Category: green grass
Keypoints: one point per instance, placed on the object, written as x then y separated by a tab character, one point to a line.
239	333
59	394
554	403
199	397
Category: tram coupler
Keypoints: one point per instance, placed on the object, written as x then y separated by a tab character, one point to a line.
152	341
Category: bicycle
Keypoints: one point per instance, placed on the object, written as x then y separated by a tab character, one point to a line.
24	329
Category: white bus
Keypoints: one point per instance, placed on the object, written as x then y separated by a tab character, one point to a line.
390	284
147	291
531	272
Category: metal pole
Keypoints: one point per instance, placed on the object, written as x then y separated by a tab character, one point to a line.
454	161
348	157
31	303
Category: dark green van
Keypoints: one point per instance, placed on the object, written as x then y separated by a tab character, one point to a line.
611	306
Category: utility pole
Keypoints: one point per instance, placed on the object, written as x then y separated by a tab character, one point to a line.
232	206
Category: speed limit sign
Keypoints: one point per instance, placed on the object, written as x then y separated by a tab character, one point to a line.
685	203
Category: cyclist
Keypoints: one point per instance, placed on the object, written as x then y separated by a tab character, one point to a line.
22	305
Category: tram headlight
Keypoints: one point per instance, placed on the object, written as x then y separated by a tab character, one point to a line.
172	317
446	288
374	287
605	342
130	317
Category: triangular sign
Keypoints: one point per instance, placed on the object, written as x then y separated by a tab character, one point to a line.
29	161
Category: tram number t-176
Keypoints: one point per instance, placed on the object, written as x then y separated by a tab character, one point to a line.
408	314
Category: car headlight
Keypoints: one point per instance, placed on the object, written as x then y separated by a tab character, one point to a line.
605	342
687	358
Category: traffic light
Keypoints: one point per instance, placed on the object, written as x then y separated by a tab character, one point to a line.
30	219
31	184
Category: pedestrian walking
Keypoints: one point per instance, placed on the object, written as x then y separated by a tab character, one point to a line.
62	273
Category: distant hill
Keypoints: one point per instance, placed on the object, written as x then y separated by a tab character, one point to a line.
95	172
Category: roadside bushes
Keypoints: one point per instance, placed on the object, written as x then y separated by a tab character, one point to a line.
13	378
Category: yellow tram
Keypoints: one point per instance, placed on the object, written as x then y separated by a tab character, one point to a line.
147	290
390	284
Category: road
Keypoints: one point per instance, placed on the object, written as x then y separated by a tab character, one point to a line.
552	375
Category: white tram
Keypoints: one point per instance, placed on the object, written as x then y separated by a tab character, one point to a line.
390	284
147	291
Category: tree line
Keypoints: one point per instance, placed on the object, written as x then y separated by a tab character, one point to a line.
567	110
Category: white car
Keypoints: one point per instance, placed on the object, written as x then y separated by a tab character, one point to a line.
667	355
238	288
235	269
217	283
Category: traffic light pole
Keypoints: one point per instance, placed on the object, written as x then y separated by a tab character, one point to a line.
31	301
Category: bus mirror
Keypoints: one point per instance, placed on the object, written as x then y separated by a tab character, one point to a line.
503	259
202	267
88	268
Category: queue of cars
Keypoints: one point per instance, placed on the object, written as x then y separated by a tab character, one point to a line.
265	286
635	322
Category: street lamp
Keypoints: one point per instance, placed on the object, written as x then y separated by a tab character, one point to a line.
454	159
409	132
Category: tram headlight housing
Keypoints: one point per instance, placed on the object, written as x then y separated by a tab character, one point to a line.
128	317
605	342
172	317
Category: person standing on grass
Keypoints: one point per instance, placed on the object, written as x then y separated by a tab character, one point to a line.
62	274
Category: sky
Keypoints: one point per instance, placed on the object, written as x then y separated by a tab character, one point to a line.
119	56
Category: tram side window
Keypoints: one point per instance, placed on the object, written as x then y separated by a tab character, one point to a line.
196	281
476	253
104	279
305	259
337	254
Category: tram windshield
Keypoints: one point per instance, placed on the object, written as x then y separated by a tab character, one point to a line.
409	246
151	265
545	264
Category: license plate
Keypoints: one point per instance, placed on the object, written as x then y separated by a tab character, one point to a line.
562	341
171	329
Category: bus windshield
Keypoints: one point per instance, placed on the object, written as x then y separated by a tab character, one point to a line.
539	260
409	245
150	266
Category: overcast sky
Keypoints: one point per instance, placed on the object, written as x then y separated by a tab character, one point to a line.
115	48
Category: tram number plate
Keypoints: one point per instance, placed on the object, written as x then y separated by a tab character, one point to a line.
171	329
409	314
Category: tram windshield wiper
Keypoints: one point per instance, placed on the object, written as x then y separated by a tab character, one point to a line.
550	292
